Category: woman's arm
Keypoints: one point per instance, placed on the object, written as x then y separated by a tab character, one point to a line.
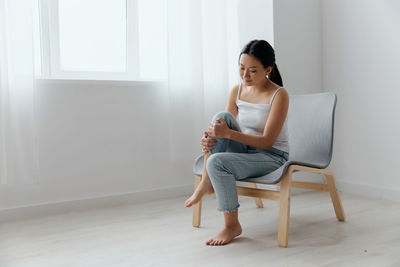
231	105
273	127
208	143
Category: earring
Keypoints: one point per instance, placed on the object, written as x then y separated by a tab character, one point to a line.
266	76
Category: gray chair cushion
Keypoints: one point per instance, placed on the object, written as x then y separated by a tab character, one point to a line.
310	126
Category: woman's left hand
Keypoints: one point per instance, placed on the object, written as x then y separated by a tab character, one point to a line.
219	130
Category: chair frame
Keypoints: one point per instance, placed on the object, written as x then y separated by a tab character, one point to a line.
283	196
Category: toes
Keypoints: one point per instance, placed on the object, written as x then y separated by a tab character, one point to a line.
214	242
189	202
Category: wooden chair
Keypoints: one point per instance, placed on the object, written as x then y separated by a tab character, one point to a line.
310	124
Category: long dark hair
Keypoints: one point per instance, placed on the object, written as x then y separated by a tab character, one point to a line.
264	52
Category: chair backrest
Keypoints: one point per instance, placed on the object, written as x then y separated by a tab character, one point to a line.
310	123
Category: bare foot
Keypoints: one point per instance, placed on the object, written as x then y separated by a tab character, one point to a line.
225	236
201	190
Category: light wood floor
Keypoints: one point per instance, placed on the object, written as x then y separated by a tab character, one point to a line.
161	234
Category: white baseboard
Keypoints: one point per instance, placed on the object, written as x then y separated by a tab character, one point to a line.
21	213
371	191
45	209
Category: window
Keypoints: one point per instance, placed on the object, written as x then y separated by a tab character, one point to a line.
92	35
103	39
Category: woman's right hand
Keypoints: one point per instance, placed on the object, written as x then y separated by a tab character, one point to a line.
207	143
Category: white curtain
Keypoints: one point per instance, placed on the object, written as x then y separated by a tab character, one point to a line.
18	157
203	50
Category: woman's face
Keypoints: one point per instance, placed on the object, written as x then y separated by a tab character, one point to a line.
252	71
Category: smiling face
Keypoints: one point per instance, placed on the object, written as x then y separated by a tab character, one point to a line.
252	70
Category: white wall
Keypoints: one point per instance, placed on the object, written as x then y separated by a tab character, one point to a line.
361	44
108	138
99	138
255	23
298	44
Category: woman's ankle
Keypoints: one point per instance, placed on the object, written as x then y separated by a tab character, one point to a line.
205	179
233	225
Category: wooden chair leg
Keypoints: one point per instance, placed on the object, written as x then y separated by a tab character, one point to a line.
337	202
196	207
284	210
258	200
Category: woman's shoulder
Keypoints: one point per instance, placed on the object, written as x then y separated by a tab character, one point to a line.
234	90
281	95
282	90
279	90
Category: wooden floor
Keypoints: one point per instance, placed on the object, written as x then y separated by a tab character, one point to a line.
161	234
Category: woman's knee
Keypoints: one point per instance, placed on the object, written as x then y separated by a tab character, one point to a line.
226	115
218	162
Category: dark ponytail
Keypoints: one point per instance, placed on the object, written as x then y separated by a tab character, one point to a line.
264	52
275	76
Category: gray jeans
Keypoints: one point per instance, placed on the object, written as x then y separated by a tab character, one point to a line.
232	161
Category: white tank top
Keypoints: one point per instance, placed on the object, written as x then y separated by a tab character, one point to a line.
253	117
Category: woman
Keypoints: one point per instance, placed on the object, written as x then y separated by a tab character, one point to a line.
249	139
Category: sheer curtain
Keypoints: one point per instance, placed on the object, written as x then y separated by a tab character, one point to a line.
18	159
203	49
